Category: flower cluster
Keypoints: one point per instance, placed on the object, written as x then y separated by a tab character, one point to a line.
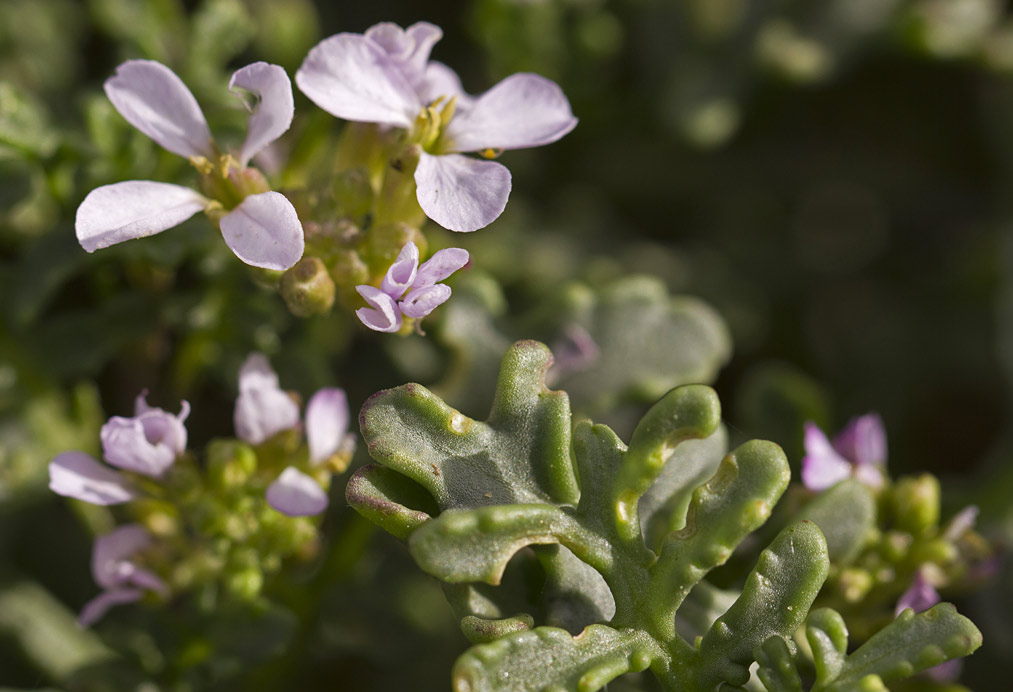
408	289
227	501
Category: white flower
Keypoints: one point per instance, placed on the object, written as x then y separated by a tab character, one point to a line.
385	77
260	226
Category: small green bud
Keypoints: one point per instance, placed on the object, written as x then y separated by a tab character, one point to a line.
895	545
160	518
854	584
308	288
230	463
916	503
246	583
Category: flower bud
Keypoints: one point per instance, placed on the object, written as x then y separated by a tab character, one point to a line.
916	503
308	288
230	463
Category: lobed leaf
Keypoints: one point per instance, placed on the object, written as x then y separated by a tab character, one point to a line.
910	644
775	601
548	658
735	502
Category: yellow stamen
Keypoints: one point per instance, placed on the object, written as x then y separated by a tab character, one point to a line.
202	164
490	153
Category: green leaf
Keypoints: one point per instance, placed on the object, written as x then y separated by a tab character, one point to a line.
735	502
828	638
910	644
688	412
476	545
520	455
648	342
663	507
777	669
371	489
846	514
775	601
548	658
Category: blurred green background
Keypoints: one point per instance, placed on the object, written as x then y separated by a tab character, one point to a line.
833	178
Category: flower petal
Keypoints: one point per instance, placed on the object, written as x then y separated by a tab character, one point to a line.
441	265
256	373
296	494
919	596
408	48
524	110
326	422
155	101
148	449
863	440
264	231
422	301
352	77
97	607
822	466
384	315
112	550
263	409
79	475
271	113
401	274
461	193
961	523
439	80
134	209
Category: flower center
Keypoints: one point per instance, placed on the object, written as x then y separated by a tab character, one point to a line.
227	183
430	125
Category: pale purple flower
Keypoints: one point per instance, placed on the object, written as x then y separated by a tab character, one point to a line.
859	450
263	410
114	569
148	444
385	77
295	494
263	230
409	289
81	476
327	424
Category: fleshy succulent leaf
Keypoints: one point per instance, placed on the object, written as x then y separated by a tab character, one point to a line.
909	644
547	658
828	638
476	545
663	507
688	412
777	669
735	502
775	601
846	513
372	489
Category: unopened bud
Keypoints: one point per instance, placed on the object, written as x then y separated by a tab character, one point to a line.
854	584
308	288
230	463
916	503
